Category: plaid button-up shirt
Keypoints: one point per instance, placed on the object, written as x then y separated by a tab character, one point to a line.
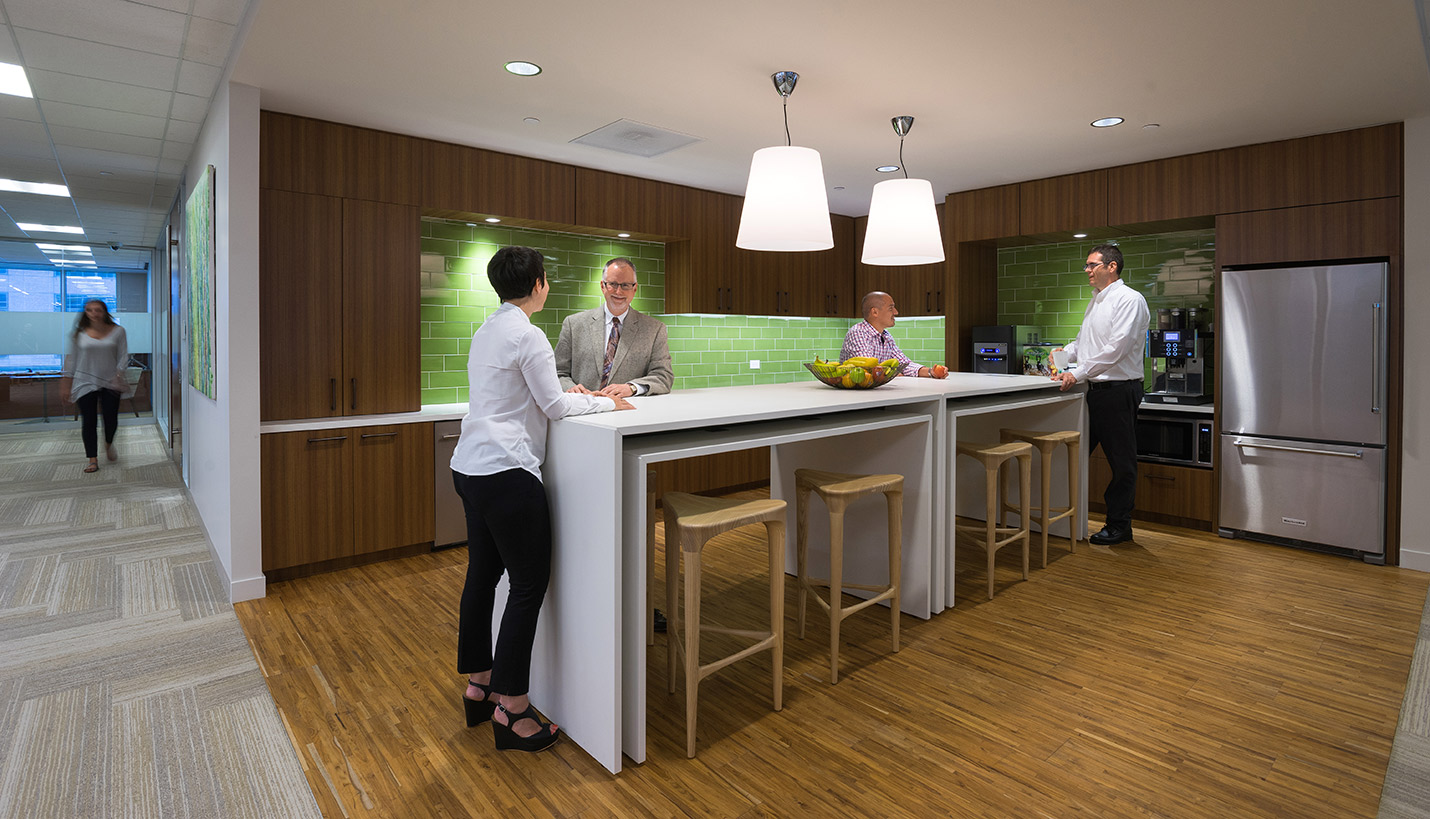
863	340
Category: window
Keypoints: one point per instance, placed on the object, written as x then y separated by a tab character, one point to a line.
82	286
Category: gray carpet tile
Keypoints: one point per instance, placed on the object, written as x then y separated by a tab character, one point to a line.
127	687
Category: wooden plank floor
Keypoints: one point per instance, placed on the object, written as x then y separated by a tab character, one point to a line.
1183	676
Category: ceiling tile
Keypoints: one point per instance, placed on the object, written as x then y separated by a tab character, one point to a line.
171	5
43	210
38	169
106	141
177	150
13	107
52	85
112	22
182	131
90	160
229	11
24	136
101	119
190	108
103	62
172	165
198	79
209	41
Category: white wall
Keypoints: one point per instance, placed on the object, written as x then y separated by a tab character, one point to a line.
221	435
1415	464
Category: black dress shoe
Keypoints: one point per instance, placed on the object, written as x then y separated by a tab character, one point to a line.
1110	535
659	622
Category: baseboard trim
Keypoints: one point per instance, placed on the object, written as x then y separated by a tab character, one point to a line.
1411	559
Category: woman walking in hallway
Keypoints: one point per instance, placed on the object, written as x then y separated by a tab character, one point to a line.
94	377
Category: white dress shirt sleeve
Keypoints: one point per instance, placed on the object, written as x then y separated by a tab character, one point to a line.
538	368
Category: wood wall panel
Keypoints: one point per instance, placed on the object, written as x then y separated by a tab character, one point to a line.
973	282
304	496
380	307
630	204
1343	230
381	166
475	181
918	290
300	314
708	473
1062	204
1361	164
987	213
1177	188
392	486
300	154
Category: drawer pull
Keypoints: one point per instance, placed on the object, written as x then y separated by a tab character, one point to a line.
1161	478
367	435
450	437
321	440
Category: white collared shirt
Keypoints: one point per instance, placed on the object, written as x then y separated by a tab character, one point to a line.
640	389
511	373
1109	347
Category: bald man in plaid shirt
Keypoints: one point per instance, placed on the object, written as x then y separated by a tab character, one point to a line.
870	337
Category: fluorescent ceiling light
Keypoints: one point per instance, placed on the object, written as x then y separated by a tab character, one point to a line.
623	236
43	188
71	262
492	220
49	248
31	227
522	68
12	81
1106	122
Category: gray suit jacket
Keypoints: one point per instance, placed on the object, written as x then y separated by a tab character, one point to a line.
642	356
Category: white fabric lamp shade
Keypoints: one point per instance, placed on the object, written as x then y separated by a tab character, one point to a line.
786	207
903	225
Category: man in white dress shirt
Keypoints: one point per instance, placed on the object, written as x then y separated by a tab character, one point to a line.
1109	351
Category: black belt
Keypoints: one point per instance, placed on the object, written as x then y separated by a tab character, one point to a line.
1097	385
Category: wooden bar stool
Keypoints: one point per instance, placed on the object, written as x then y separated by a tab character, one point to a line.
691	520
993	456
838	491
1047	444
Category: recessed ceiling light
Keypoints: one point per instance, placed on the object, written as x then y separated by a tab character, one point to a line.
43	188
492	220
623	236
12	81
1151	126
839	187
106	173
1079	235
1106	122
522	68
532	121
887	168
31	227
63	248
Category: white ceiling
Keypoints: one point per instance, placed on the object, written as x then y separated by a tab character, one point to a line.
121	90
1001	91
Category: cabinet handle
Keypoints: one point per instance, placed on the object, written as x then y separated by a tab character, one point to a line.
729	298
332	395
938	300
928	301
1160	478
367	435
322	440
354	391
450	437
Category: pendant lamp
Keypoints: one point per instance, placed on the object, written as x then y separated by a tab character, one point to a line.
903	225
786	207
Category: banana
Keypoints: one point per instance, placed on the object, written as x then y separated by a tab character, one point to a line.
861	361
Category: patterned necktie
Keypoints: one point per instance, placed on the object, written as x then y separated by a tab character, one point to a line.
610	351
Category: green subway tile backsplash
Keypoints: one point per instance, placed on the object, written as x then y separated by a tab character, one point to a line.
707	351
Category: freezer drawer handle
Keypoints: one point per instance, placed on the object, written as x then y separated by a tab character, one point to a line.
450	437
1375	335
1356	454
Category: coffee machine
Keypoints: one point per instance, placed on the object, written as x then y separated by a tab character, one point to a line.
1182	359
998	348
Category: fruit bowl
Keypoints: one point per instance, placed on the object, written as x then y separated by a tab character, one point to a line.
842	376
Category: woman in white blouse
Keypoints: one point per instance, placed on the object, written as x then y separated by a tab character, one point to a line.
94	377
496	467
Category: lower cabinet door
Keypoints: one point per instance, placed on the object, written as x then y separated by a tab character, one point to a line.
392	487
306	501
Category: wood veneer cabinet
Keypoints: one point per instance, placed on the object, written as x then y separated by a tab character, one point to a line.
628	203
1182	187
1342	230
336	494
918	290
338	307
1062	204
987	213
1361	164
330	159
1179	495
472	180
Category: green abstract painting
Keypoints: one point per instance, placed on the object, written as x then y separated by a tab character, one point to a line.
199	236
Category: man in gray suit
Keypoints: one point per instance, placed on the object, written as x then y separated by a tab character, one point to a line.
614	350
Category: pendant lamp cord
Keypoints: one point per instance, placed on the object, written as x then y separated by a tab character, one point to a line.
785	97
901	158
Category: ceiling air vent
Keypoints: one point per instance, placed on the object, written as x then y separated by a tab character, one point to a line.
635	138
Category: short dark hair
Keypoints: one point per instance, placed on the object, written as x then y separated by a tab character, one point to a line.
620	261
1110	255
514	271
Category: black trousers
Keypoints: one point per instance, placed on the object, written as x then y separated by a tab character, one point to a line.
1112	419
106	401
508	530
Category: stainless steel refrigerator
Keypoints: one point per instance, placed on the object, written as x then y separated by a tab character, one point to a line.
1302	368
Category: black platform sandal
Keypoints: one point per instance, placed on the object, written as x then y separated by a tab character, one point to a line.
508	740
478	711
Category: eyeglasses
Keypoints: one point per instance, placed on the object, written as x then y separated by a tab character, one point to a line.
619	286
1088	268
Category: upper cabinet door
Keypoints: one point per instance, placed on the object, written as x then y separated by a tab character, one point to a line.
987	213
1063	204
1176	188
300	154
630	204
381	166
471	180
379	308
1339	167
300	305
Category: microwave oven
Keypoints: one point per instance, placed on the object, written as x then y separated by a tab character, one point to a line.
1175	438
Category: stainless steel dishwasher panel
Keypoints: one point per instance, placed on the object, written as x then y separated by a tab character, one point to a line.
450	517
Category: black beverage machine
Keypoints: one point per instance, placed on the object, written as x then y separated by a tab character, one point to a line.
998	348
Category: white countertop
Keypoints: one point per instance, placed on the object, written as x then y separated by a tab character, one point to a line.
684	409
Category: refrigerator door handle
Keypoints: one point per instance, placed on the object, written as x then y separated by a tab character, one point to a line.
1251	445
1375	336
